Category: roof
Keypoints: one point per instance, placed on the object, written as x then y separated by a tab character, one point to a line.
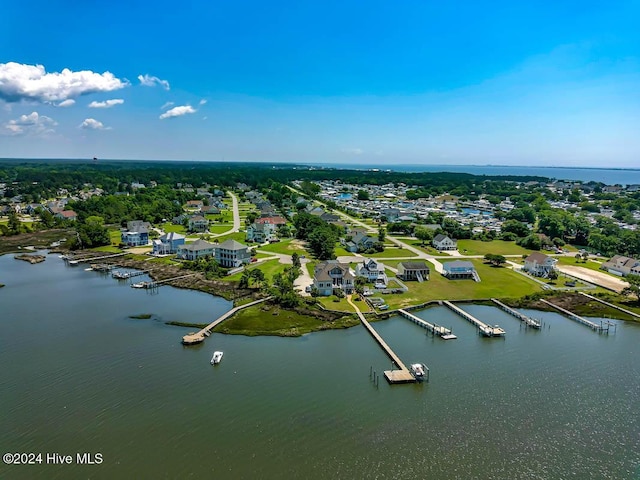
457	264
68	213
232	245
198	218
275	220
198	245
537	257
440	237
171	236
414	265
322	269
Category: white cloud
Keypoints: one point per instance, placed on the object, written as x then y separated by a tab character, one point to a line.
202	102
150	81
93	124
106	103
166	105
66	103
32	124
178	111
32	83
353	151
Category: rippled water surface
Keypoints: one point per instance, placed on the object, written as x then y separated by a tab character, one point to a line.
79	375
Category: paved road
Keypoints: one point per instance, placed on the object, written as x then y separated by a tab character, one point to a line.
236	217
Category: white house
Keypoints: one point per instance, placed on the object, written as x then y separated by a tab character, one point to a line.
539	264
168	243
196	250
621	265
442	242
373	271
198	223
261	232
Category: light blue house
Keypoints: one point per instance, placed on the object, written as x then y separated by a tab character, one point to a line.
460	269
168	243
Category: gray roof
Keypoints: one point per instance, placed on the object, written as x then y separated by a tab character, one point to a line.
415	265
232	245
198	245
171	236
439	237
458	264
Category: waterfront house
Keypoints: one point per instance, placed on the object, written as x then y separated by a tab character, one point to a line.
442	242
621	265
198	223
136	233
261	232
539	265
232	254
332	275
196	250
373	271
413	271
168	243
460	269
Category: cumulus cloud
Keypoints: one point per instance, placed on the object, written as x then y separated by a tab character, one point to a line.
66	103
106	103
32	124
150	81
178	111
166	105
33	83
93	124
353	151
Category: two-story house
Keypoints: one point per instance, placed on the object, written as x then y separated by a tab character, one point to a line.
136	233
621	265
198	223
460	269
443	242
332	275
413	271
261	232
373	271
196	250
360	242
539	265
168	243
232	254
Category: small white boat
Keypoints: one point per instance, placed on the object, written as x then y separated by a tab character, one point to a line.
418	370
217	358
138	285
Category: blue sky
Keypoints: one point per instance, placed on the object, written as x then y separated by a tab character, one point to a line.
416	81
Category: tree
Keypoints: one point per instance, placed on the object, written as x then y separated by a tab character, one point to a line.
552	275
514	226
381	234
363	195
495	260
423	234
14	223
634	286
295	259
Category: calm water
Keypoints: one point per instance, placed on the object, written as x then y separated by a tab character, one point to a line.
80	376
608	176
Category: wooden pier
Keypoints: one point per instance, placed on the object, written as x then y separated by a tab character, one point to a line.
159	283
528	321
434	328
197	337
75	261
402	375
623	310
118	275
602	328
483	328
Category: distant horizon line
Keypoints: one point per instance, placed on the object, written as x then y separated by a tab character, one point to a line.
325	164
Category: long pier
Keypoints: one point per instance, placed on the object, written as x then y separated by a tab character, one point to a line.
528	321
402	375
486	330
593	325
197	337
75	261
442	332
159	283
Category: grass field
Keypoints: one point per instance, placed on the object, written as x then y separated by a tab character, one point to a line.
170	227
341	252
391	253
342	305
271	320
497	247
269	268
426	248
107	249
286	247
238	237
220	228
114	236
496	282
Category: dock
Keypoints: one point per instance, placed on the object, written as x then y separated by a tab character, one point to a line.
402	375
528	321
601	328
608	304
155	284
75	261
483	328
197	337
434	328
126	275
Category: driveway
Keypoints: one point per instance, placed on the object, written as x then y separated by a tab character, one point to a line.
597	278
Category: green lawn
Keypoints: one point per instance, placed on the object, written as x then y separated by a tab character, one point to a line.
498	247
425	248
115	237
342	305
220	228
286	247
269	268
271	320
496	282
341	252
170	227
391	253
237	236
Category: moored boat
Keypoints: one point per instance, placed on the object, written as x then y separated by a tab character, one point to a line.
419	371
